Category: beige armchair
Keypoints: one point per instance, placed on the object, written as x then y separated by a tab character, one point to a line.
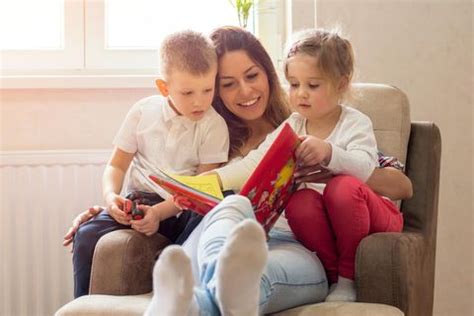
394	271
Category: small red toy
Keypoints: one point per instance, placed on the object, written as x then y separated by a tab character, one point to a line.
131	208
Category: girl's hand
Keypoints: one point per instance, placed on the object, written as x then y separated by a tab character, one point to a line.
117	208
315	174
313	151
150	223
78	221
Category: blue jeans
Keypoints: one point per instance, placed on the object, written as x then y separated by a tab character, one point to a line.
293	275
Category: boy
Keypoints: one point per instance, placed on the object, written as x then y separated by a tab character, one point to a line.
178	132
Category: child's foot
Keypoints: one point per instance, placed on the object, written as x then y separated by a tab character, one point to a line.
172	284
239	269
342	291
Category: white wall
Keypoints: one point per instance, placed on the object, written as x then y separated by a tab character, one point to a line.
425	49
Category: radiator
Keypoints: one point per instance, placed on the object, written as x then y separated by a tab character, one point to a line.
41	192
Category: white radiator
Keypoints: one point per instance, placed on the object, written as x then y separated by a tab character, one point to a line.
41	192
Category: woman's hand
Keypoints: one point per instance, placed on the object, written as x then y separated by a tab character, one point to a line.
313	151
390	182
78	221
150	223
117	208
315	174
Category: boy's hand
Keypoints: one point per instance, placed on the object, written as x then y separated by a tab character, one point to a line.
117	207
150	222
181	202
313	151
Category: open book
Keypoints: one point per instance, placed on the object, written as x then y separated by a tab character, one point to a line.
268	188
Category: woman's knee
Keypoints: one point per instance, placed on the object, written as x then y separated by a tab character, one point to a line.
232	205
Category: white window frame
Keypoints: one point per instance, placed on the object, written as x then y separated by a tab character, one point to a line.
71	56
88	64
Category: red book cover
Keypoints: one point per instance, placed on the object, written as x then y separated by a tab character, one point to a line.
268	188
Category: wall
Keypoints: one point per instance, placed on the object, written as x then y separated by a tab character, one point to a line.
425	49
37	119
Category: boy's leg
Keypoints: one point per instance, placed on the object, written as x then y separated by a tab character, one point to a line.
85	241
87	237
309	222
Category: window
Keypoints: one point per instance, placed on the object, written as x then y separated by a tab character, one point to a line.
87	39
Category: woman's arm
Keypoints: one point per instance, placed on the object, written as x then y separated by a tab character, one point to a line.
390	182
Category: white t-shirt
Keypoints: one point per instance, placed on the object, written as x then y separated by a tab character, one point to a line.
354	150
160	138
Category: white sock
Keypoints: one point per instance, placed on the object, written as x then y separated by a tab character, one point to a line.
239	269
342	291
172	283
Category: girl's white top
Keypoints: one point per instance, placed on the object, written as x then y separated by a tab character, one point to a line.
354	150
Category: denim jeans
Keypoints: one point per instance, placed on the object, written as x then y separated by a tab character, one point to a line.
293	275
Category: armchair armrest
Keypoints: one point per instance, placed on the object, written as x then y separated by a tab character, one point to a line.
389	270
123	263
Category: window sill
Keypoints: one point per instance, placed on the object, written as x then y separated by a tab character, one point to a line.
77	81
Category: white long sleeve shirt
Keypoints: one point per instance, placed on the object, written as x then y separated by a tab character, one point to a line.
354	150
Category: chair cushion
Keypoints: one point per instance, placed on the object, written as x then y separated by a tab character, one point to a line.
343	309
388	108
135	305
106	305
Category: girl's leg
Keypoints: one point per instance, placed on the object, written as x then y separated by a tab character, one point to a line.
293	275
355	211
309	222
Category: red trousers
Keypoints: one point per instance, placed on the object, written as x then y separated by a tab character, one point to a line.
332	224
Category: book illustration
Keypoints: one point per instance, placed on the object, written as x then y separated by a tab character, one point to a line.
204	183
268	188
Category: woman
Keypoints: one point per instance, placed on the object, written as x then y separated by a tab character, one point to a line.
236	270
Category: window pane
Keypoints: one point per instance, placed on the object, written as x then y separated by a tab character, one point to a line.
144	23
31	24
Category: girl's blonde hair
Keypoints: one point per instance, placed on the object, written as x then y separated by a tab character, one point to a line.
228	39
333	52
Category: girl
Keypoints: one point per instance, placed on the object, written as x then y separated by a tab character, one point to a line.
332	220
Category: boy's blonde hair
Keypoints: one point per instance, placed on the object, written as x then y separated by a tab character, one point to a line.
334	53
188	51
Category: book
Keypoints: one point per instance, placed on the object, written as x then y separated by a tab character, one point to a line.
268	188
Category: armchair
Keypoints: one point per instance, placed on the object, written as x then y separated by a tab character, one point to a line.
394	271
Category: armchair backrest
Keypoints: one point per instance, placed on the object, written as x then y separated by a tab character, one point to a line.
389	110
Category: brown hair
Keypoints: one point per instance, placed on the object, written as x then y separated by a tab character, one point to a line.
230	38
334	53
188	51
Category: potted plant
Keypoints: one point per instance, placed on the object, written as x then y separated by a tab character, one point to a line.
243	8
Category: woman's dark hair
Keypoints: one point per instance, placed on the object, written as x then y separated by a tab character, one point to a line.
231	38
